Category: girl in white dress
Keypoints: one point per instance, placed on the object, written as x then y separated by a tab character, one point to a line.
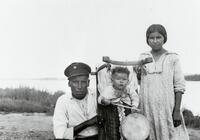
162	85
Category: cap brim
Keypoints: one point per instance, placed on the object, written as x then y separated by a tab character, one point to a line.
78	74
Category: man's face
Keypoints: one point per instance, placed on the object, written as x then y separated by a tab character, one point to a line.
79	86
120	80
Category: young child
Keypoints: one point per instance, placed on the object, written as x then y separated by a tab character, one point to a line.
119	91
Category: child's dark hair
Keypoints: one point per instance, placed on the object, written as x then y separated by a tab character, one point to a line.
120	70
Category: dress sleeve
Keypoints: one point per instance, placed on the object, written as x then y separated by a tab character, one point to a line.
108	93
134	98
60	121
133	83
100	98
104	79
179	81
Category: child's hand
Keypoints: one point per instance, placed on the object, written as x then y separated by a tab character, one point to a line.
135	110
105	101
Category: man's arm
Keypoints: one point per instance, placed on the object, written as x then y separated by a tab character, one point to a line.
61	120
80	127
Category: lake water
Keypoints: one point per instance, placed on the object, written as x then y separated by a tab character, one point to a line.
190	99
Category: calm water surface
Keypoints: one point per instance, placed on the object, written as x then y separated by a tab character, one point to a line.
191	98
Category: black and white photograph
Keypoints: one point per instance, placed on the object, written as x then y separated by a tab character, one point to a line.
99	70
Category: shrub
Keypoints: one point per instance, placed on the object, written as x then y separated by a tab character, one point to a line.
191	120
25	99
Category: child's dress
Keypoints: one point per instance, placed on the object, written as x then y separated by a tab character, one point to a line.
130	99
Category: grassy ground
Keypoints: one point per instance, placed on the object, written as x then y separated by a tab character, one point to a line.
38	126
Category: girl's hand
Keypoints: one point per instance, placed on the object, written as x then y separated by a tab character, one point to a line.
176	118
137	69
140	70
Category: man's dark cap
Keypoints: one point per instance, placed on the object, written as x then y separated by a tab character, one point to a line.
77	69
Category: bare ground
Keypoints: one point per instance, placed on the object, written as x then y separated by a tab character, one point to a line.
194	134
25	126
37	126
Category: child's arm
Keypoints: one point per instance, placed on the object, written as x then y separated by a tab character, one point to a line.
134	98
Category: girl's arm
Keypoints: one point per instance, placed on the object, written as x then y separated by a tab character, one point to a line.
179	88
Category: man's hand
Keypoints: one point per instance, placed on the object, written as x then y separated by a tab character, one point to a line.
95	120
176	118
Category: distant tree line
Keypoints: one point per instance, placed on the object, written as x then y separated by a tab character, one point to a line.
194	77
25	99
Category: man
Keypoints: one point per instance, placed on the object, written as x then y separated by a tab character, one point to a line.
76	117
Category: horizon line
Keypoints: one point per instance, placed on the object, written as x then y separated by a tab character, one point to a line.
57	78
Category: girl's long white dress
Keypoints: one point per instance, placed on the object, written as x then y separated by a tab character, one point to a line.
160	81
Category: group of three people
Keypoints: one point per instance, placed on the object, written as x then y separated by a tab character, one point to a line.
161	87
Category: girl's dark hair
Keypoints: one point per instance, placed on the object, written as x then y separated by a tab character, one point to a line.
120	70
156	28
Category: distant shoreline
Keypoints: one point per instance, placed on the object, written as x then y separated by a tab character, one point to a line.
190	77
47	78
193	77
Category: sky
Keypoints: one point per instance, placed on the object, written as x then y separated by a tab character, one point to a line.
39	38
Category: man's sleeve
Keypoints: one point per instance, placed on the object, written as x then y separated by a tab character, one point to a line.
60	121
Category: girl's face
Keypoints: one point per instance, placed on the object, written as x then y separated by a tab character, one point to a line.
156	40
120	81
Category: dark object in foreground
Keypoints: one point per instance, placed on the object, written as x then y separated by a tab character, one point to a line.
110	129
88	138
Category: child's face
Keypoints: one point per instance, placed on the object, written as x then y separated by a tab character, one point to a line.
156	41
120	80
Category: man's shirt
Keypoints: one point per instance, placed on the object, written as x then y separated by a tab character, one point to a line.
70	112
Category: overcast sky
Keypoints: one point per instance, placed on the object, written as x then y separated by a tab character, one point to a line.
39	38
